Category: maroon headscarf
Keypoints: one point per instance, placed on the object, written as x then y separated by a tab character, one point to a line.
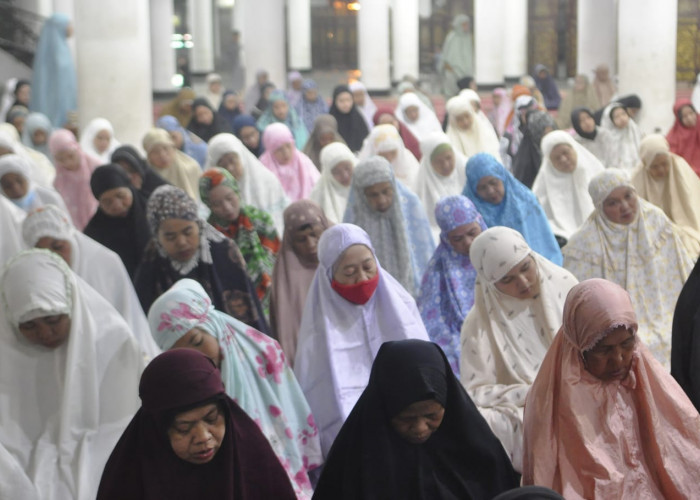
685	141
143	464
409	140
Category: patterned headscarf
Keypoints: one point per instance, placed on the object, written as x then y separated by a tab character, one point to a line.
171	202
447	290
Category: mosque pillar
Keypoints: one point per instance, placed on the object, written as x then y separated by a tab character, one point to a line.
596	38
373	44
113	67
163	65
646	56
201	27
425	8
404	34
263	42
299	34
488	41
514	28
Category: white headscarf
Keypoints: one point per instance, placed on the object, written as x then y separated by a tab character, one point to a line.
99	266
259	187
487	127
479	138
564	196
431	186
504	339
426	123
64	408
330	195
338	340
11	218
87	139
387	138
368	108
625	154
43	171
36	196
646	257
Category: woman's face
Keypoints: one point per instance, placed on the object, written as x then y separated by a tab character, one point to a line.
359	97
134	176
491	189
564	158
387	119
23	94
418	421
380	196
116	202
204	115
461	237
325	138
611	358
311	95
68	159
178	139
443	163
497	99
355	265
196	435
18	123
522	281
586	122
344	102
412	113
161	156
250	136
390	155
59	247
179	238
48	331
224	203
660	166
15	186
464	121
39	137
284	154
689	118
101	141
342	172
621	205
620	117
231	102
232	162
201	341
305	242
280	109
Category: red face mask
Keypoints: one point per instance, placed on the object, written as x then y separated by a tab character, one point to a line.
357	293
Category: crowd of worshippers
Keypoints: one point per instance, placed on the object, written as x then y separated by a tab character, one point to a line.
276	296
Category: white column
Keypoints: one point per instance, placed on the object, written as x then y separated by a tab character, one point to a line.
263	42
488	41
162	53
596	36
647	58
299	34
200	20
404	38
373	44
425	8
114	66
514	26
